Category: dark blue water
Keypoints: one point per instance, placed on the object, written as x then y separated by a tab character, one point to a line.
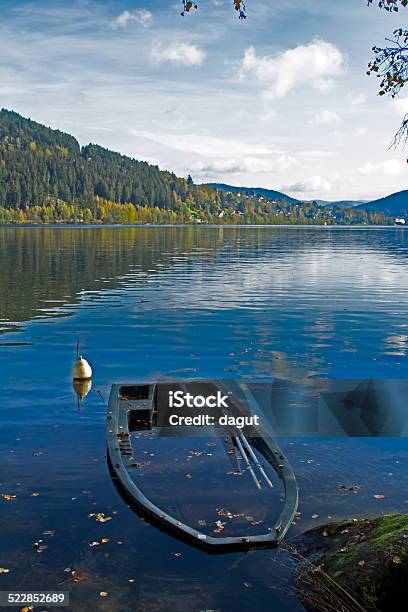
299	303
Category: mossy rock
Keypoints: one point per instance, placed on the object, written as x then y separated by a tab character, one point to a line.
368	558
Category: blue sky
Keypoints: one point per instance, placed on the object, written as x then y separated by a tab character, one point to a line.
280	100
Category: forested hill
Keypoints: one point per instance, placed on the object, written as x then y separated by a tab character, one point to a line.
38	163
269	194
45	176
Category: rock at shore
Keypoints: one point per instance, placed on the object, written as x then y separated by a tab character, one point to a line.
360	563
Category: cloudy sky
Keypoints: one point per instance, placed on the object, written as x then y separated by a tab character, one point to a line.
280	100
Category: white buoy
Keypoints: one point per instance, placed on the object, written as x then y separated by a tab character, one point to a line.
82	369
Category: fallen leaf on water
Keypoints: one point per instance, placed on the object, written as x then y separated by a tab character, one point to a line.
177	554
396	560
103	594
7	497
379	496
119	542
4	570
34	494
39	546
50	533
79	576
315	516
93	544
189	476
131	580
105	540
247	585
325	533
100	517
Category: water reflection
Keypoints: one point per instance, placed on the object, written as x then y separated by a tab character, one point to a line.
298	303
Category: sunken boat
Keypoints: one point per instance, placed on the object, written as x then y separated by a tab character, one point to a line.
223	485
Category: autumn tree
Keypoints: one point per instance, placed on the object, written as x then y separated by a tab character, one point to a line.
390	62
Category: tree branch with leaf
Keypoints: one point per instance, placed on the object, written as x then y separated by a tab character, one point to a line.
390	63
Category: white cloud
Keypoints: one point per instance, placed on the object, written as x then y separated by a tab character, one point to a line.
367	169
253	165
309	185
325	117
362	131
390	167
269	116
401	105
315	63
141	16
185	54
201	144
357	100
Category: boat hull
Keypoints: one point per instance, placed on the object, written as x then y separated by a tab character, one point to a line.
133	406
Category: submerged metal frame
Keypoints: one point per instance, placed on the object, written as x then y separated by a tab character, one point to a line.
122	463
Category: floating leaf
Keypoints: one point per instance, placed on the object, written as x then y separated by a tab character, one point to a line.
8	497
79	576
100	517
103	594
39	546
4	570
379	496
315	516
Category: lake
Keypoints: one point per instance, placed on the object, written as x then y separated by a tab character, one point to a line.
299	303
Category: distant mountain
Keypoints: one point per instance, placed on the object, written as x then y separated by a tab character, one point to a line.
269	194
340	203
392	205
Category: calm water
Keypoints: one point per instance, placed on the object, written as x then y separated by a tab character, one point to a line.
200	302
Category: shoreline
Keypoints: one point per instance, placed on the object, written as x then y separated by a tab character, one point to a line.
206	225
